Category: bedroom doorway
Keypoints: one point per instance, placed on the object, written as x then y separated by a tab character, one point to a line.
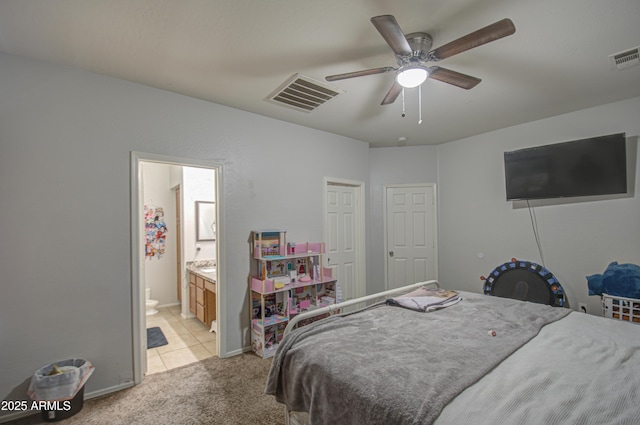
410	234
139	318
344	235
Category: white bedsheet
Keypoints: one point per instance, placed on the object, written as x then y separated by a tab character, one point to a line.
582	369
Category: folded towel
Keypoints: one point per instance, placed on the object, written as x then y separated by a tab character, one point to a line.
426	299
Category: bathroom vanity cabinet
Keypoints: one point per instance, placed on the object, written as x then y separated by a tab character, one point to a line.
202	297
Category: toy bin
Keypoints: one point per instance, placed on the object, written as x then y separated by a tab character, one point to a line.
621	308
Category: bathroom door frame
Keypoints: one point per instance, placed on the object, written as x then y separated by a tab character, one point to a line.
138	307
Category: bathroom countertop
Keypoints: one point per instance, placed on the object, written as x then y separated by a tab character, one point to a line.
210	276
198	267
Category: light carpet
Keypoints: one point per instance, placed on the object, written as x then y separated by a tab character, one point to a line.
212	391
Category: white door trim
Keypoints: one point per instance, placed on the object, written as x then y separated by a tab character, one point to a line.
138	307
435	224
360	225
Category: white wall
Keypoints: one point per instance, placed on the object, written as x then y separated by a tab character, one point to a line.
161	271
66	138
578	238
198	185
404	165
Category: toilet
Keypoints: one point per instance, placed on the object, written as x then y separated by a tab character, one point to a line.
151	304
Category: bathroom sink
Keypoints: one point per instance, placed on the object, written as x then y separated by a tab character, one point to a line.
207	270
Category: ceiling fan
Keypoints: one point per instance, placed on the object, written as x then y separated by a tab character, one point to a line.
412	53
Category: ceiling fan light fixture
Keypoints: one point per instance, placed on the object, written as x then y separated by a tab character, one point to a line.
412	77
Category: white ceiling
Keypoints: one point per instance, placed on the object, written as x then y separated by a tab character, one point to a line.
237	52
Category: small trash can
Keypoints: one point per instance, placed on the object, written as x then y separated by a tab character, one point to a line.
58	388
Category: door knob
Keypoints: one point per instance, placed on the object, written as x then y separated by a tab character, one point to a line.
390	253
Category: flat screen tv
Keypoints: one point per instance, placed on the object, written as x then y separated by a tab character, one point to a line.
594	166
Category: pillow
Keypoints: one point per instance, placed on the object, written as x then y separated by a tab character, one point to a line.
622	280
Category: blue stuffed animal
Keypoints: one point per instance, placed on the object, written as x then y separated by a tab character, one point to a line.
621	280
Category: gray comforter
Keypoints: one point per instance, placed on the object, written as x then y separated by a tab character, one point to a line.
391	365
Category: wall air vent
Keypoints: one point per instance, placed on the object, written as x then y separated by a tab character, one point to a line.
303	93
625	59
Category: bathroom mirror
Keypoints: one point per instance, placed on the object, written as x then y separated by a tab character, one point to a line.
205	221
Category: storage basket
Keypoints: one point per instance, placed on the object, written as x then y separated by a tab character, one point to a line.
621	308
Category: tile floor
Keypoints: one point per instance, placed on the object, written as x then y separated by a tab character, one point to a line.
189	341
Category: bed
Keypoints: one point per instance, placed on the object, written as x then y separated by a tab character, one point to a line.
484	360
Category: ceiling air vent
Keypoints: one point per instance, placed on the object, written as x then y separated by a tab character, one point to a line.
625	59
303	93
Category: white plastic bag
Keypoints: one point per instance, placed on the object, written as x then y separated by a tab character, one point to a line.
62	386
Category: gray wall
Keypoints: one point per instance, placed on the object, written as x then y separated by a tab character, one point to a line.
65	142
405	165
579	237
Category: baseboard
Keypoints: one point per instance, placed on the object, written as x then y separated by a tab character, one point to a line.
109	390
187	316
235	352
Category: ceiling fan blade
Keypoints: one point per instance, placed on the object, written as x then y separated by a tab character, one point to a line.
388	27
457	79
477	38
392	94
359	73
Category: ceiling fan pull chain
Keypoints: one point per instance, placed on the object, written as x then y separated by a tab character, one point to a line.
403	114
420	104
